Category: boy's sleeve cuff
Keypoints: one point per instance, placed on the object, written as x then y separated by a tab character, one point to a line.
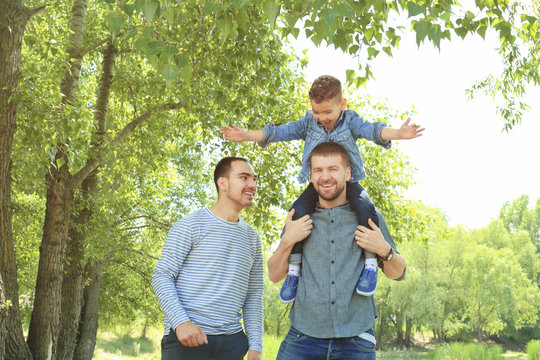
377	130
269	133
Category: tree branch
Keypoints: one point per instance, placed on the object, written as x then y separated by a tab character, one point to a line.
92	164
30	13
95	46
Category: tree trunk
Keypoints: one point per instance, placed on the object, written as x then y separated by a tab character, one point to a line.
3	316
72	287
408	331
44	323
13	18
89	319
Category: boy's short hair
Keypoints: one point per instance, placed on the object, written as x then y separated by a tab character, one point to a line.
325	87
223	168
328	149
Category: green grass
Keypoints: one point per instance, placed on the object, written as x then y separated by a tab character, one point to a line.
467	351
533	350
117	345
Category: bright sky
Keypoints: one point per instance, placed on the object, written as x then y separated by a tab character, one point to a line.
465	164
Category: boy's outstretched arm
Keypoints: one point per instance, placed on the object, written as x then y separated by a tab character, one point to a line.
236	134
406	131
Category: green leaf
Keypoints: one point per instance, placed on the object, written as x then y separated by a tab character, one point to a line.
169	72
414	9
149	9
128	9
170	51
225	26
421	28
372	52
435	33
242	20
461	32
155	47
347	9
271	11
115	21
187	72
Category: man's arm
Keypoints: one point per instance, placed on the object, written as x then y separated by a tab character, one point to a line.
253	308
176	249
406	131
295	231
373	240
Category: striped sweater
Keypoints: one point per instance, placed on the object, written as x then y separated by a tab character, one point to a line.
211	273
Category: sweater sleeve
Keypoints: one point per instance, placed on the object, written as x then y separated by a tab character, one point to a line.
177	247
253	306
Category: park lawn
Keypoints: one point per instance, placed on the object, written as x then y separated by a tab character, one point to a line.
120	344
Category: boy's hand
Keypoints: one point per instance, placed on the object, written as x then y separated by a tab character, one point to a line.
410	131
234	133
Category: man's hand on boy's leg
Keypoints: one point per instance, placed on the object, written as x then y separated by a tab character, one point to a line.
297	230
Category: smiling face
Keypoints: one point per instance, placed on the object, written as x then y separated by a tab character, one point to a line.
329	176
327	112
239	186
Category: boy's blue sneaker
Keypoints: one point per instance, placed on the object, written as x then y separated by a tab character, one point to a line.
288	290
368	282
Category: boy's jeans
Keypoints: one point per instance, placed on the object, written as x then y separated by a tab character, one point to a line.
298	346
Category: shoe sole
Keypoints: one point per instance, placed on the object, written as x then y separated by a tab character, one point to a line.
286	301
365	293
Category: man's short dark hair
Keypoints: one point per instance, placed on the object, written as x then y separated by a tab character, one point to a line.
328	149
223	168
324	88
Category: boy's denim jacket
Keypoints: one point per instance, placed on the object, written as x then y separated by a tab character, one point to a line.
347	130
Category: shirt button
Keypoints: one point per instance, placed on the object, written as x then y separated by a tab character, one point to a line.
332	283
332	303
332	221
332	241
332	261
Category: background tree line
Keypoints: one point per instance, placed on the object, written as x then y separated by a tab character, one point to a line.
109	113
461	284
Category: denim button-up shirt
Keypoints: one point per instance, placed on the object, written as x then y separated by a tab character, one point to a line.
326	304
347	130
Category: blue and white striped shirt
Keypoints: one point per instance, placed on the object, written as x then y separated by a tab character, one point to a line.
210	270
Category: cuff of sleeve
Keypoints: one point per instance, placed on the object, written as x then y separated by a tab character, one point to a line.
256	347
269	133
178	320
379	126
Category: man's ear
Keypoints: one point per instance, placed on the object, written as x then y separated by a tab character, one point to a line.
222	183
348	173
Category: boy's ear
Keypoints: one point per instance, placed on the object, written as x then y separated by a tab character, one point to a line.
343	104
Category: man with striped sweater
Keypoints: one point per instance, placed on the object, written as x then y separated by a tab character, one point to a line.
210	275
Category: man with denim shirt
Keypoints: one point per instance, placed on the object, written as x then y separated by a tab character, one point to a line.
328	320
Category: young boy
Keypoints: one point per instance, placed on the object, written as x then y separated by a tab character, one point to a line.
329	121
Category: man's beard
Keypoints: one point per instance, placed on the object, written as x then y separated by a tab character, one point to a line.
332	196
